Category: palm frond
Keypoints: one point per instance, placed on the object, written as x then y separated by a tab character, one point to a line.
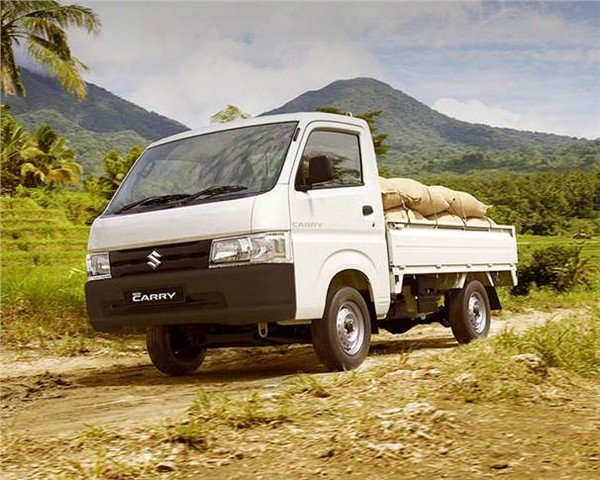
43	23
66	70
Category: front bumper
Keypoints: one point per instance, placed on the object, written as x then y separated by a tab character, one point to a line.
236	295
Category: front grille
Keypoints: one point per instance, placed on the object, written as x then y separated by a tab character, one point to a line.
182	256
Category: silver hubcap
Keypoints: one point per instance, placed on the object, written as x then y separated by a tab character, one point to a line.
477	312
350	327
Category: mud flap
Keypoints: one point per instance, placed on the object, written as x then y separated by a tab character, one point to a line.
493	297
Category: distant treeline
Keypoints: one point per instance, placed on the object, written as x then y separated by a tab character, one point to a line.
545	203
459	160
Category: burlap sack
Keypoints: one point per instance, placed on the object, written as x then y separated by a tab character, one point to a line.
462	204
448	219
480	222
400	192
390	197
403	215
447	193
417	196
470	207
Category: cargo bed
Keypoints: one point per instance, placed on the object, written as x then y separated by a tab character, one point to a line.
424	247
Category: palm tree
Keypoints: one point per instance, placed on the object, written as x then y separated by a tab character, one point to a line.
17	148
38	159
54	162
41	24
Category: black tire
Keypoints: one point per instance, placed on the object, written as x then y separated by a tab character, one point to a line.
174	349
342	351
469	312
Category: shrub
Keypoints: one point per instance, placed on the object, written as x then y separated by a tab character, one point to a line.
558	266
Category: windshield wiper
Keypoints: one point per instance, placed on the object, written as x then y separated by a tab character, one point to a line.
181	198
156	200
213	191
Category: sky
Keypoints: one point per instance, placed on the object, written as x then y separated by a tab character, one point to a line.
529	66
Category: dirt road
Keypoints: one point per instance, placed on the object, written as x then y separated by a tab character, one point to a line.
59	396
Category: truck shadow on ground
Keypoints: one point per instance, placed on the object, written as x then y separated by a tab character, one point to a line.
394	346
249	365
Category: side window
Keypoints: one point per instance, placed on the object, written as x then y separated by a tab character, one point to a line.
342	150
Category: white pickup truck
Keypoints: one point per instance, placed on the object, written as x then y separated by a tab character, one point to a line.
272	231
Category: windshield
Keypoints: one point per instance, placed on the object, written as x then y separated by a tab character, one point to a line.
214	166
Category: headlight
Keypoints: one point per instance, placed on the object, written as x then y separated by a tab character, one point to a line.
260	248
97	266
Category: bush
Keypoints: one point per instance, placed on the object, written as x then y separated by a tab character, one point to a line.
558	266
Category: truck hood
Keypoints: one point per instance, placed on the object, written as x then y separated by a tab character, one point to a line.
173	225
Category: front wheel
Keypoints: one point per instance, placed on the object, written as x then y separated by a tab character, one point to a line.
469	312
174	349
342	337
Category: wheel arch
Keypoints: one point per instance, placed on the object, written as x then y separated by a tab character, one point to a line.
357	272
358	280
486	279
354	278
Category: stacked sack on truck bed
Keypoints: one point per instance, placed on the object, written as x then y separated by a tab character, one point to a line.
407	200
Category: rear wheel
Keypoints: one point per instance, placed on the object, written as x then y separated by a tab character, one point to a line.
469	312
175	350
342	337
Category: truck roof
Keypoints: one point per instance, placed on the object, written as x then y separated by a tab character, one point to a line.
301	117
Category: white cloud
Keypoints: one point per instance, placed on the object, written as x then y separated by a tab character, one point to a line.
475	111
188	60
205	82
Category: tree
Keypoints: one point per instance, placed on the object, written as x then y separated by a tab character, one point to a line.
116	168
229	114
379	141
42	25
17	148
54	162
35	159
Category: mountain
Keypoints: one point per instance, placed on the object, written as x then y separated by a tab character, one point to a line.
410	123
425	140
102	122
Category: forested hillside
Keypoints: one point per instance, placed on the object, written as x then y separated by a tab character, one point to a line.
102	122
425	141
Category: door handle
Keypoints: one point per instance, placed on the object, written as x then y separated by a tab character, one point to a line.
367	210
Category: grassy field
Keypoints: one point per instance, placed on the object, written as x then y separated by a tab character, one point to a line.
529	243
43	272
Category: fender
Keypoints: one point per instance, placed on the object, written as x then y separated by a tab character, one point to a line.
338	262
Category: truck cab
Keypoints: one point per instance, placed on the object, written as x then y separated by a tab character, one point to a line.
259	232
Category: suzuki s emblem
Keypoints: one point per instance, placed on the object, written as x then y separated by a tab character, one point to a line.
153	260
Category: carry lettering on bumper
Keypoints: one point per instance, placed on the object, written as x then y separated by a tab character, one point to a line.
236	295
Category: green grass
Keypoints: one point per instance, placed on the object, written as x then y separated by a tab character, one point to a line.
493	370
528	243
43	273
572	345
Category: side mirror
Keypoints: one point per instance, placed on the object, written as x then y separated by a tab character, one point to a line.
320	170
